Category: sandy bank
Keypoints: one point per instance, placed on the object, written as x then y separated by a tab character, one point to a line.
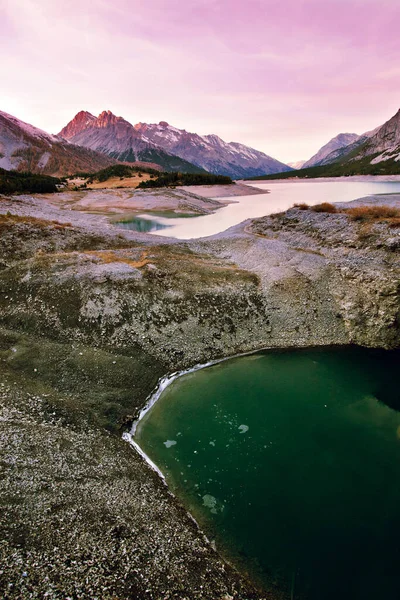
223	191
119	201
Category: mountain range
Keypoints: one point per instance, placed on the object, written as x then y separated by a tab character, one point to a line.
375	152
24	147
118	139
88	143
210	151
167	145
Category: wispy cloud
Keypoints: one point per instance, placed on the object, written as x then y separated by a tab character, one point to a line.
282	74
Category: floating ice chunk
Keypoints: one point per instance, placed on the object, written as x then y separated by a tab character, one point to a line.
170	443
243	428
210	502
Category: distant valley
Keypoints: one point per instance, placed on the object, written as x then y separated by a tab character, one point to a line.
375	152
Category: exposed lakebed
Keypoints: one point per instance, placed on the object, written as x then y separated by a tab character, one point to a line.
290	460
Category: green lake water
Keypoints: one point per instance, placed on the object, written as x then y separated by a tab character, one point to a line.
140	224
290	460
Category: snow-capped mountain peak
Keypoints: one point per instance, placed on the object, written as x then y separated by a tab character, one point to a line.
211	152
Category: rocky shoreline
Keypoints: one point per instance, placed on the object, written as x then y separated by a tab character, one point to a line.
90	319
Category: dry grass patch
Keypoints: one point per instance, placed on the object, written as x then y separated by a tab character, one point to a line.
364	214
8	219
112	256
301	206
325	207
120	182
382	213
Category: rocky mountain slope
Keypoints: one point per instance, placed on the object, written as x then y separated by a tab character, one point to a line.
81	121
24	147
384	144
340	141
115	137
345	146
162	143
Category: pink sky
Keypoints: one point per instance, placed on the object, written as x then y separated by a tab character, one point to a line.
283	76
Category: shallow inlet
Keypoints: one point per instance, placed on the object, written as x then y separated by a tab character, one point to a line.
137	223
150	223
290	461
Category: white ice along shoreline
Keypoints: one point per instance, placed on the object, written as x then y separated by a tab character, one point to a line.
163	383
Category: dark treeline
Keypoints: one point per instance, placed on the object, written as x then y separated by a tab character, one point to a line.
13	182
158	178
115	171
362	166
176	179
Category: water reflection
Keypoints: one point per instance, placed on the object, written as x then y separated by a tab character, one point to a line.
279	196
141	224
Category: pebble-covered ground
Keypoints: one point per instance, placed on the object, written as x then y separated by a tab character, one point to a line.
82	516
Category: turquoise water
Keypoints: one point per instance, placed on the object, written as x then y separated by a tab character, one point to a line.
140	224
290	460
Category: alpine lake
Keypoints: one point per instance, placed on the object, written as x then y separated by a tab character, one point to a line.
278	196
290	461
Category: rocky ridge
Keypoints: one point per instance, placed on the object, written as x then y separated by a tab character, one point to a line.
24	147
385	142
381	144
337	143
